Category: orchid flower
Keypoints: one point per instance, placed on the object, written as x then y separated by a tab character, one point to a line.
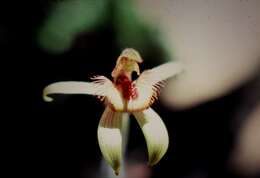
125	96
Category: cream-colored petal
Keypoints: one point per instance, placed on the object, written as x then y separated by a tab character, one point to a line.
131	54
145	97
155	134
110	137
149	83
70	87
101	86
107	88
162	72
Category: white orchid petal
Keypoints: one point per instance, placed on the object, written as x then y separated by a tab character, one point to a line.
108	89
163	72
101	86
110	137
70	87
155	133
148	84
144	98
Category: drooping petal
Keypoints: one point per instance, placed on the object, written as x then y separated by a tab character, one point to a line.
149	84
155	134
101	86
110	137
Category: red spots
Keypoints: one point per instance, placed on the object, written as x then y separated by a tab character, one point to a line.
134	91
127	87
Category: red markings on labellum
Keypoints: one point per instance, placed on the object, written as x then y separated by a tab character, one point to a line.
127	87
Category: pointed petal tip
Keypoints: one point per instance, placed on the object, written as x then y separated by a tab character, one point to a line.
116	171
154	159
150	164
47	98
116	166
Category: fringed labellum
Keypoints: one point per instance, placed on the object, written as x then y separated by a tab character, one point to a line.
124	95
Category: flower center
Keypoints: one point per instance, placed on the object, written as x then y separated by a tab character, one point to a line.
127	87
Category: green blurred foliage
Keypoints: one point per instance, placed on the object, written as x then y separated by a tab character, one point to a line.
69	18
133	31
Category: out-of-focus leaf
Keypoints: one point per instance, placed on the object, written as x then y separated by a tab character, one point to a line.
134	31
67	19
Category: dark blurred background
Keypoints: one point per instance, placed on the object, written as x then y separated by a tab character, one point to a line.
48	41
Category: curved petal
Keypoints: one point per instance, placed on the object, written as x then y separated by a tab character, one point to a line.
110	137
162	72
155	134
101	86
106	88
69	87
149	83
